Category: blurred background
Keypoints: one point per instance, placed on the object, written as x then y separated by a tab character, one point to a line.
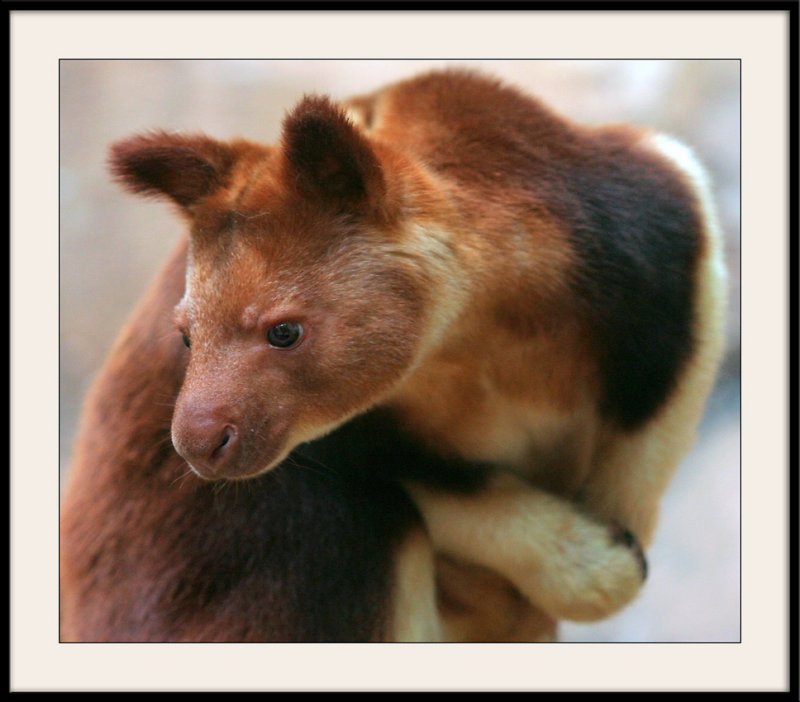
113	243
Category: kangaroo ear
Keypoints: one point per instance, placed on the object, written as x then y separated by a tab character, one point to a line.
181	167
328	159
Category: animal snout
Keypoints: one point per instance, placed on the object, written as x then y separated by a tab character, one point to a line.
208	438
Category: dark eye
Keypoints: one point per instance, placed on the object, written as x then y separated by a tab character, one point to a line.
186	342
284	335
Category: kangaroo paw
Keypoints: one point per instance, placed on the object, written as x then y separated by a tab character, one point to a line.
589	573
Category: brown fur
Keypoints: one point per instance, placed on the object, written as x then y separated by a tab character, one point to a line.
513	289
150	552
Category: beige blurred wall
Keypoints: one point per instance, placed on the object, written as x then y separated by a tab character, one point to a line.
112	244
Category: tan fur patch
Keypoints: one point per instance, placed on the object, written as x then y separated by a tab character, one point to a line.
478	605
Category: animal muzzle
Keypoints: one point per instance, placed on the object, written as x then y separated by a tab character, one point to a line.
209	438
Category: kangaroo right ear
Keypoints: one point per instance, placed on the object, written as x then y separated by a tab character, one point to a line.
328	159
181	167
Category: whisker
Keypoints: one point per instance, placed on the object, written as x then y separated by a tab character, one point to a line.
322	465
181	477
163	441
326	471
172	333
257	215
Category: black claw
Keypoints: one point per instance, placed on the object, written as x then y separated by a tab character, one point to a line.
624	536
627	538
642	562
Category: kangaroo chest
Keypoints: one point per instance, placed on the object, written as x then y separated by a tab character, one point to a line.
512	417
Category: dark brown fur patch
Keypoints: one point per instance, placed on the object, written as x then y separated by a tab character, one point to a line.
327	158
181	167
637	231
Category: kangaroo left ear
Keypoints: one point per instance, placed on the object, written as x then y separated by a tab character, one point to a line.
183	168
328	158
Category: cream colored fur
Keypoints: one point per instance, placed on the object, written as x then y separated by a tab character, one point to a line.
566	563
415	617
